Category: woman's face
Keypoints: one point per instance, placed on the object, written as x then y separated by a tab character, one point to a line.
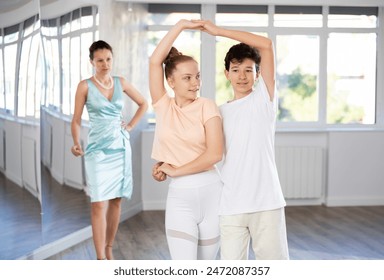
102	61
185	80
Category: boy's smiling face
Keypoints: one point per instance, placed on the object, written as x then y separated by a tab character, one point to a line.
242	76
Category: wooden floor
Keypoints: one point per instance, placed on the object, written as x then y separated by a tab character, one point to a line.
20	220
65	209
25	225
314	233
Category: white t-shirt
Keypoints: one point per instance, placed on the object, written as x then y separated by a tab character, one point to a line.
249	173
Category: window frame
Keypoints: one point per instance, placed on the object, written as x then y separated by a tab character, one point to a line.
21	46
57	24
208	11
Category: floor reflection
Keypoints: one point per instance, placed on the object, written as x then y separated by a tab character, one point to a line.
65	209
24	227
20	221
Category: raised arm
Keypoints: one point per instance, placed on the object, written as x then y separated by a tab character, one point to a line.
80	99
156	72
136	97
263	44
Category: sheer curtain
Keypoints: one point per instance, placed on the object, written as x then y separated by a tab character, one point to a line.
123	26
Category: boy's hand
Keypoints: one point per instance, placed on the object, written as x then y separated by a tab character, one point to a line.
208	27
190	24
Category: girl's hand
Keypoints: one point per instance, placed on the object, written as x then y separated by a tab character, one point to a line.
157	174
168	169
190	24
208	27
77	150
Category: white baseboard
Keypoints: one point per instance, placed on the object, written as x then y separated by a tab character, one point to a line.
74	185
131	211
60	245
304	202
14	178
353	201
74	238
154	205
58	176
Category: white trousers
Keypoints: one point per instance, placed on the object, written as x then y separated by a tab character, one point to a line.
266	229
191	216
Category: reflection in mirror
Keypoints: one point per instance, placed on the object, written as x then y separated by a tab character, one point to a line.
68	28
20	80
66	36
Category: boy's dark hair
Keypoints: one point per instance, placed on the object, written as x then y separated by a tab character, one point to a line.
239	52
98	45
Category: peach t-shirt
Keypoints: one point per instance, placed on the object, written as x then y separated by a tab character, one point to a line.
180	133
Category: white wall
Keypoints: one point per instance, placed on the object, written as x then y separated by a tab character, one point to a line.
153	193
30	158
355	169
13	151
16	135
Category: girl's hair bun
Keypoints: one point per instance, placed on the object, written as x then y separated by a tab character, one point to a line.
172	54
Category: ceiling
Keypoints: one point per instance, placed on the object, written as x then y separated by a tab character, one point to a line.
10	5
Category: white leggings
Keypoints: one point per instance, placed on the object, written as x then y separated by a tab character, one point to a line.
191	216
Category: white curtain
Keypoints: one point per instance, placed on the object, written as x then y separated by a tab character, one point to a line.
123	26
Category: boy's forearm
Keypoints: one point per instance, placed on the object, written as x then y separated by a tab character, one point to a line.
246	37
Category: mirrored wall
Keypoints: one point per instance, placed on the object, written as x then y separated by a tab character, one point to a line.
44	202
65	39
42	191
21	196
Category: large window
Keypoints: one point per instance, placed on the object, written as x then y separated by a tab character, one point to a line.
351	91
351	65
325	56
66	40
297	76
353	17
298	16
20	65
242	15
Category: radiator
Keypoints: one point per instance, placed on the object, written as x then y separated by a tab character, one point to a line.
28	162
73	166
2	149
301	171
46	144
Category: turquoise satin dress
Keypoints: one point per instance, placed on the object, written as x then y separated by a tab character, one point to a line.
108	163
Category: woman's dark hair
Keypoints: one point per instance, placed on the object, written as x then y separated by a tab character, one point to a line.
239	52
173	58
98	45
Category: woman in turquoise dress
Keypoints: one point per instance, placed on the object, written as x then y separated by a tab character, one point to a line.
107	156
